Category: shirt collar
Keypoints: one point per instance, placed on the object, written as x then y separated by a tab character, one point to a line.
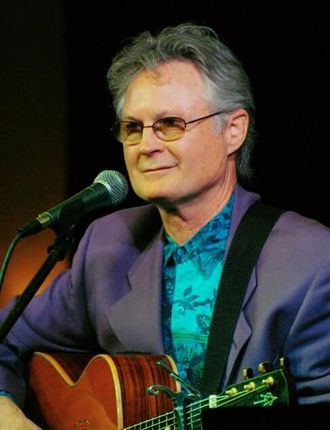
207	246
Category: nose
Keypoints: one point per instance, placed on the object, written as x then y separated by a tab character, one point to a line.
150	142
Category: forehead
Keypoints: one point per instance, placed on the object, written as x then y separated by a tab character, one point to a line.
171	85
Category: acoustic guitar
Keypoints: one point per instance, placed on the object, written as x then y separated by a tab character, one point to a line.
132	391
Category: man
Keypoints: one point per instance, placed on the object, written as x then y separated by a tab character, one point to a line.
145	279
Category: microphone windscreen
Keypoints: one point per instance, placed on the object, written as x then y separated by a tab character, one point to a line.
116	183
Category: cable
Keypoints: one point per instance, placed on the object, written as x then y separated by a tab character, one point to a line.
8	257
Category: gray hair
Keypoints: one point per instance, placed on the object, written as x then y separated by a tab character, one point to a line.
228	86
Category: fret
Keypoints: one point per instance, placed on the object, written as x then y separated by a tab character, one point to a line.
166	421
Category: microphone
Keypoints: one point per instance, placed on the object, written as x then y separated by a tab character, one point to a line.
109	188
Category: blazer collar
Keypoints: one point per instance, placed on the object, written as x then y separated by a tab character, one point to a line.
243	200
136	318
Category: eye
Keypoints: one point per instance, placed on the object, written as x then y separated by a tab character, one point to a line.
133	127
172	122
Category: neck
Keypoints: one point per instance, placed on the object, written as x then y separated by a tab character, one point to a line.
183	221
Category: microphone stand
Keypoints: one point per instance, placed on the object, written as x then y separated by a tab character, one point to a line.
56	252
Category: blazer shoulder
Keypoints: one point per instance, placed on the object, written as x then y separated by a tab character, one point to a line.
302	225
137	224
302	236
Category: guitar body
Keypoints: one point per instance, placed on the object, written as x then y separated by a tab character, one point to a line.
77	392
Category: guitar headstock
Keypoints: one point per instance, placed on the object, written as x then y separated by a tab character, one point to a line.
269	387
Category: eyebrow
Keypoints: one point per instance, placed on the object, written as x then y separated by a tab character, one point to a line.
159	115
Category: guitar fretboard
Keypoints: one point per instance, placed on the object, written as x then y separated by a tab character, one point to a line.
191	414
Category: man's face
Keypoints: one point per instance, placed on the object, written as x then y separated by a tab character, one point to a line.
177	172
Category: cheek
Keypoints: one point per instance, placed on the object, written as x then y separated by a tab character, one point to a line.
210	157
130	159
130	162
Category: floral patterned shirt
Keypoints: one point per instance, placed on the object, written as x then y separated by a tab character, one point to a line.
191	278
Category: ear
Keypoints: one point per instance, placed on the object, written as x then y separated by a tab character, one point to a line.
236	129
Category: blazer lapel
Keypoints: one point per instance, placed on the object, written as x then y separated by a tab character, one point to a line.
243	330
242	333
136	318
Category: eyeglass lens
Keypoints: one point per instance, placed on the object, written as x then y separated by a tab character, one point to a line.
167	129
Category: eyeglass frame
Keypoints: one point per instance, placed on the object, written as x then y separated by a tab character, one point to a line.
163	119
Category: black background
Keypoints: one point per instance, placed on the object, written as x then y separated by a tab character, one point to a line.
284	48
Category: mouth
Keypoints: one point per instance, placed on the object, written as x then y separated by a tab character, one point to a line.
157	169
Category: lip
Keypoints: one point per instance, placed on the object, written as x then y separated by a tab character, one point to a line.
157	169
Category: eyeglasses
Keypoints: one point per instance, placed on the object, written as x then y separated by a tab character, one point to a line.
167	129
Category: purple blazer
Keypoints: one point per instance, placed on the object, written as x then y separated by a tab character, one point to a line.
111	300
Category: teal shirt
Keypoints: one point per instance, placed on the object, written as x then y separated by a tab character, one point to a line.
191	278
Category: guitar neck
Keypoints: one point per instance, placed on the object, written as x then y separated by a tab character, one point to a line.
167	421
261	391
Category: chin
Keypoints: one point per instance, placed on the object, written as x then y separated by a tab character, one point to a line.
156	198
153	192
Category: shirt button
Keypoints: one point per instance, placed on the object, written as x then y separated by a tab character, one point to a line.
181	251
183	374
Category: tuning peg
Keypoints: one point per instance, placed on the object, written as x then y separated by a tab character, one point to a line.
265	366
247	373
284	362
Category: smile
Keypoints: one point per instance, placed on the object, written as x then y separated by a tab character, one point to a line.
157	169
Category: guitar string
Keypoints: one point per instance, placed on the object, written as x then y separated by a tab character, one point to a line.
194	410
193	414
166	419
